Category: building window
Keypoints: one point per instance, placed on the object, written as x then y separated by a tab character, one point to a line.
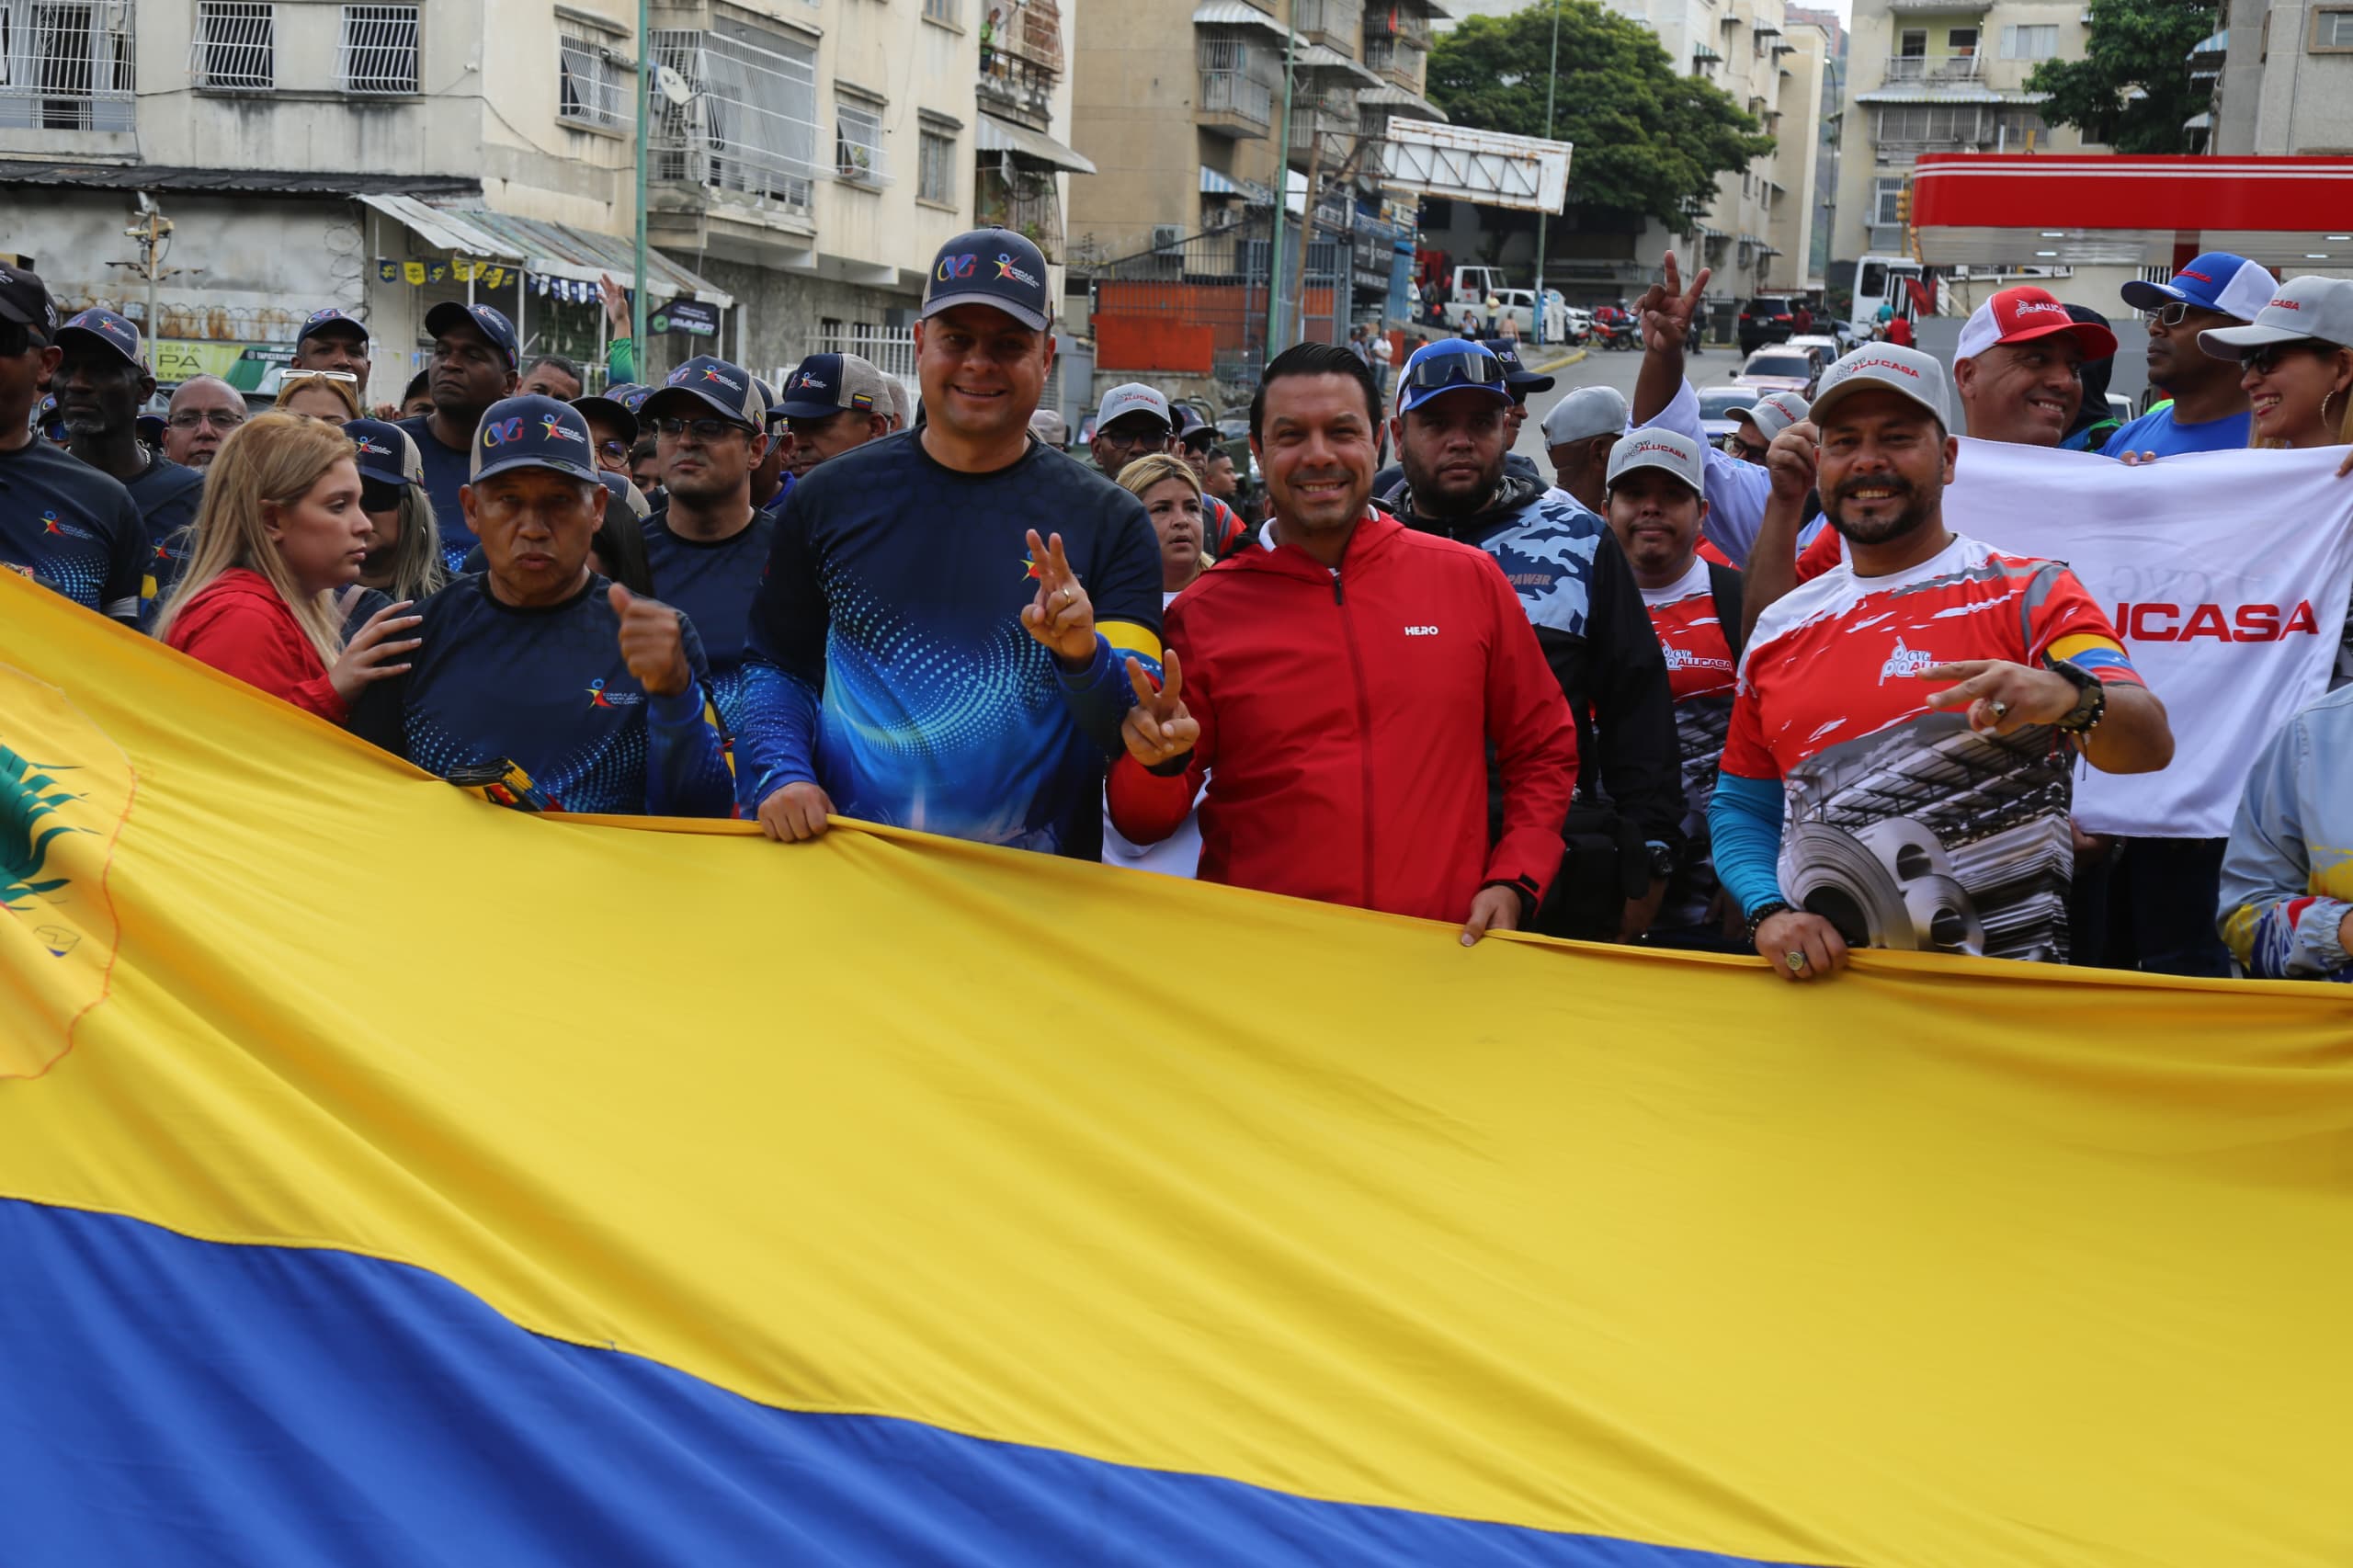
943	11
2331	30
858	142
65	66
2031	42
379	50
750	121
936	169
1887	202
236	46
1962	41
591	82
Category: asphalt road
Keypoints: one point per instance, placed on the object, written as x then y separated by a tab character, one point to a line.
1605	369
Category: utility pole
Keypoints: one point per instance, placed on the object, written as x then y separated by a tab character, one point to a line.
151	229
642	360
1544	219
1275	285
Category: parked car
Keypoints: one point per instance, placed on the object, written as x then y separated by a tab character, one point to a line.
1716	405
1767	318
1580	324
1825	347
1780	369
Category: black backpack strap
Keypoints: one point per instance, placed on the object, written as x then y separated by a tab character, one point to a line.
1724	584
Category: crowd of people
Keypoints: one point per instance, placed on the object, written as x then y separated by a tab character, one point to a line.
1654	696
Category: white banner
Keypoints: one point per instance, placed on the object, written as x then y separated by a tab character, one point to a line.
2227	574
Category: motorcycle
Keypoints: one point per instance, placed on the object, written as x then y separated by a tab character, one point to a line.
1622	336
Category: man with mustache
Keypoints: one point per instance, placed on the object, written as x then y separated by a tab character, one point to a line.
472	366
1898	767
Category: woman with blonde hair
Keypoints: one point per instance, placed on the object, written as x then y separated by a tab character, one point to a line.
331	397
281	534
1171	494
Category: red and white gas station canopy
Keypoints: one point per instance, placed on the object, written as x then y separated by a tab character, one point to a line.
2292	214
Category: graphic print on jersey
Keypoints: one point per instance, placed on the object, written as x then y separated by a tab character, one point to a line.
1904	827
1547	556
1700	673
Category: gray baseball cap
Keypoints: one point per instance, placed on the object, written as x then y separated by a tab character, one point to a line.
1650	446
1133	397
1589	411
1773	413
2304	307
1906	371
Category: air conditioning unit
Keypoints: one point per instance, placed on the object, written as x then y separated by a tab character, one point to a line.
1168	237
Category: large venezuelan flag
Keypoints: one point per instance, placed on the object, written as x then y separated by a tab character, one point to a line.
389	1178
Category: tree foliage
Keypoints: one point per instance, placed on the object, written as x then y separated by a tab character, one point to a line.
2132	90
1649	139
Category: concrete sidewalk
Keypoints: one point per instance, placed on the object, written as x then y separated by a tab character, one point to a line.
1563	358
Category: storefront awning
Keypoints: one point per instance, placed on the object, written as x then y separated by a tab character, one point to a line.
994	135
1251	191
548	250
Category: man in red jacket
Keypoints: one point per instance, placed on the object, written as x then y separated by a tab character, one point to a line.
1339	692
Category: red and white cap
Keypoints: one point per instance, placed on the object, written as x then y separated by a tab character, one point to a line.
2023	314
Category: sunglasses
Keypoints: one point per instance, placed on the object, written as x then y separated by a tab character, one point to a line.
2266	359
290	377
1456	370
2179	310
704	430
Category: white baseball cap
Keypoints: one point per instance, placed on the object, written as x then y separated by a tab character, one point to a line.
1134	398
1906	371
1774	413
2304	307
1589	411
1650	446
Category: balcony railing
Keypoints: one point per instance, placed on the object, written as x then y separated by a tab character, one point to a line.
1235	93
1339	23
65	67
1023	202
750	121
1021	54
1934	71
1400	23
1403	61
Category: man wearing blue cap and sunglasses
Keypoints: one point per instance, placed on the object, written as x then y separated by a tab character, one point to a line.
2209	408
1451	428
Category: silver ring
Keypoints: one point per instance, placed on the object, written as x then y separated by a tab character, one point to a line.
1796	960
2001	709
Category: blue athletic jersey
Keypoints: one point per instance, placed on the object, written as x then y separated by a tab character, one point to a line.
445	469
888	627
169	496
2157	431
549	689
72	528
713	585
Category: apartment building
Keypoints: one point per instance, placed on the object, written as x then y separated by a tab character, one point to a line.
1940	76
2284	79
1822	194
805	157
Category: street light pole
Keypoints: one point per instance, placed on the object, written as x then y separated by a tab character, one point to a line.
1544	219
641	360
1275	287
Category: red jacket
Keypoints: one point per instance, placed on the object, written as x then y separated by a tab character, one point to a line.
1345	725
240	626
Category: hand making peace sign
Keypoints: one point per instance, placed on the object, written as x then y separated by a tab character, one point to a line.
1665	310
1158	727
1061	616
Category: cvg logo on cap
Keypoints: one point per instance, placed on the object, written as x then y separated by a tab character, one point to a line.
506	430
954	266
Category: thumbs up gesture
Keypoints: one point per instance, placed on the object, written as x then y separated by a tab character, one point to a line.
1158	728
653	642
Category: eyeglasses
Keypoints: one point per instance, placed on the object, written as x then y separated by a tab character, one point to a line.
2178	311
704	430
1455	370
219	418
290	377
613	449
2266	359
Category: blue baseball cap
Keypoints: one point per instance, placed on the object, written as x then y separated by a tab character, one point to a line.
489	323
385	452
631	395
1518	380
775	403
532	432
1452	364
826	384
333	316
708	385
612	410
2217	282
104	327
990	267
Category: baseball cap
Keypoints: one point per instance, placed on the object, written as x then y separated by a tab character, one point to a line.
150	427
1517	378
1193	426
611	410
1652	447
2025	315
631	395
2302	307
386	453
1134	397
990	267
1906	371
2230	285
533	431
1773	413
490	324
24	298
1050	428
1453	364
826	384
619	487
1589	411
326	320
103	326
716	386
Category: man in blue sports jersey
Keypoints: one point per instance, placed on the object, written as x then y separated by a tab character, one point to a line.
472	366
596	694
708	548
939	664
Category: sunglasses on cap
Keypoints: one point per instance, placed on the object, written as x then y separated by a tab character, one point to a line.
290	377
1456	370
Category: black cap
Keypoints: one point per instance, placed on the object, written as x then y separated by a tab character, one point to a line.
489	323
716	386
1517	378
612	411
990	267
24	298
106	328
325	320
532	432
386	453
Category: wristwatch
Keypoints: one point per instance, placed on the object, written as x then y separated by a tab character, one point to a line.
1766	911
1662	859
2091	699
